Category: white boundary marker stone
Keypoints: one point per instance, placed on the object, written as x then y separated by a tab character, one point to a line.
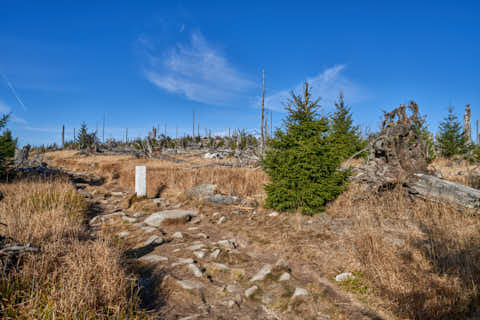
141	181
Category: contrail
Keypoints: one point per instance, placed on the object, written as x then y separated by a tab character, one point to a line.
13	91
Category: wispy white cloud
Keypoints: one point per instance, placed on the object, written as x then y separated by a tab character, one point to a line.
325	85
4	108
197	71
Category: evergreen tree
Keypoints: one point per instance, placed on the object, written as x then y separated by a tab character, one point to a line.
451	140
345	135
302	160
85	139
7	143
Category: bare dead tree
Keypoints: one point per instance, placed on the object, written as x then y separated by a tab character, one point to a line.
193	124
271	125
263	108
103	129
63	136
477	136
467	124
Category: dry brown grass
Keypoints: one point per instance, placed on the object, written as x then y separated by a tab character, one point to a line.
166	177
73	277
413	259
421	258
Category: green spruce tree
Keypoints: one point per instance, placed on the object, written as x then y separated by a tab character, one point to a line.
451	140
7	143
344	134
86	140
302	160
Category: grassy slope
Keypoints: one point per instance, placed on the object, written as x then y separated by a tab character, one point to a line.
72	277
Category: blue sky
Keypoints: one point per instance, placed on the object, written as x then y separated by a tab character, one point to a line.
144	64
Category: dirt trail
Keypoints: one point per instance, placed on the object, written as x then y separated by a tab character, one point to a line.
220	262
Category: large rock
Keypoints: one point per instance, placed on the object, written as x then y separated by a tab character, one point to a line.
429	187
201	191
223	200
169	216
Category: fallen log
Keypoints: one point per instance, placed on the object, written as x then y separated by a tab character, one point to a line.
430	187
17	249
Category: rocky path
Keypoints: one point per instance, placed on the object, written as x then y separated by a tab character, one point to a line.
194	263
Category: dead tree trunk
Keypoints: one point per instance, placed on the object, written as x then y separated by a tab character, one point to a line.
430	187
263	108
467	127
63	136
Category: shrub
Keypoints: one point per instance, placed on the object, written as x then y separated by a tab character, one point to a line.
302	161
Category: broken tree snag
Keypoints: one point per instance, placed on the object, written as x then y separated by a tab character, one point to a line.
398	151
21	155
430	187
467	124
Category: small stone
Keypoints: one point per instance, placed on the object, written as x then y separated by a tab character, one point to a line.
284	277
218	266
177	235
139	214
193	317
221	199
199	254
201	235
196	221
182	262
299	292
344	276
267	299
156	219
202	191
158	201
262	273
193	228
232	288
196	247
153	240
273	214
117	194
195	270
215	253
231	303
281	263
190	285
215	214
123	234
221	220
250	291
128	219
177	250
176	206
149	229
153	258
230	244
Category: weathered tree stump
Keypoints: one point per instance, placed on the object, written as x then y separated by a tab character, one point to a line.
21	155
398	156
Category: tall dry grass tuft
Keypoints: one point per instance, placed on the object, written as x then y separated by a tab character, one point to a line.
73	276
421	258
